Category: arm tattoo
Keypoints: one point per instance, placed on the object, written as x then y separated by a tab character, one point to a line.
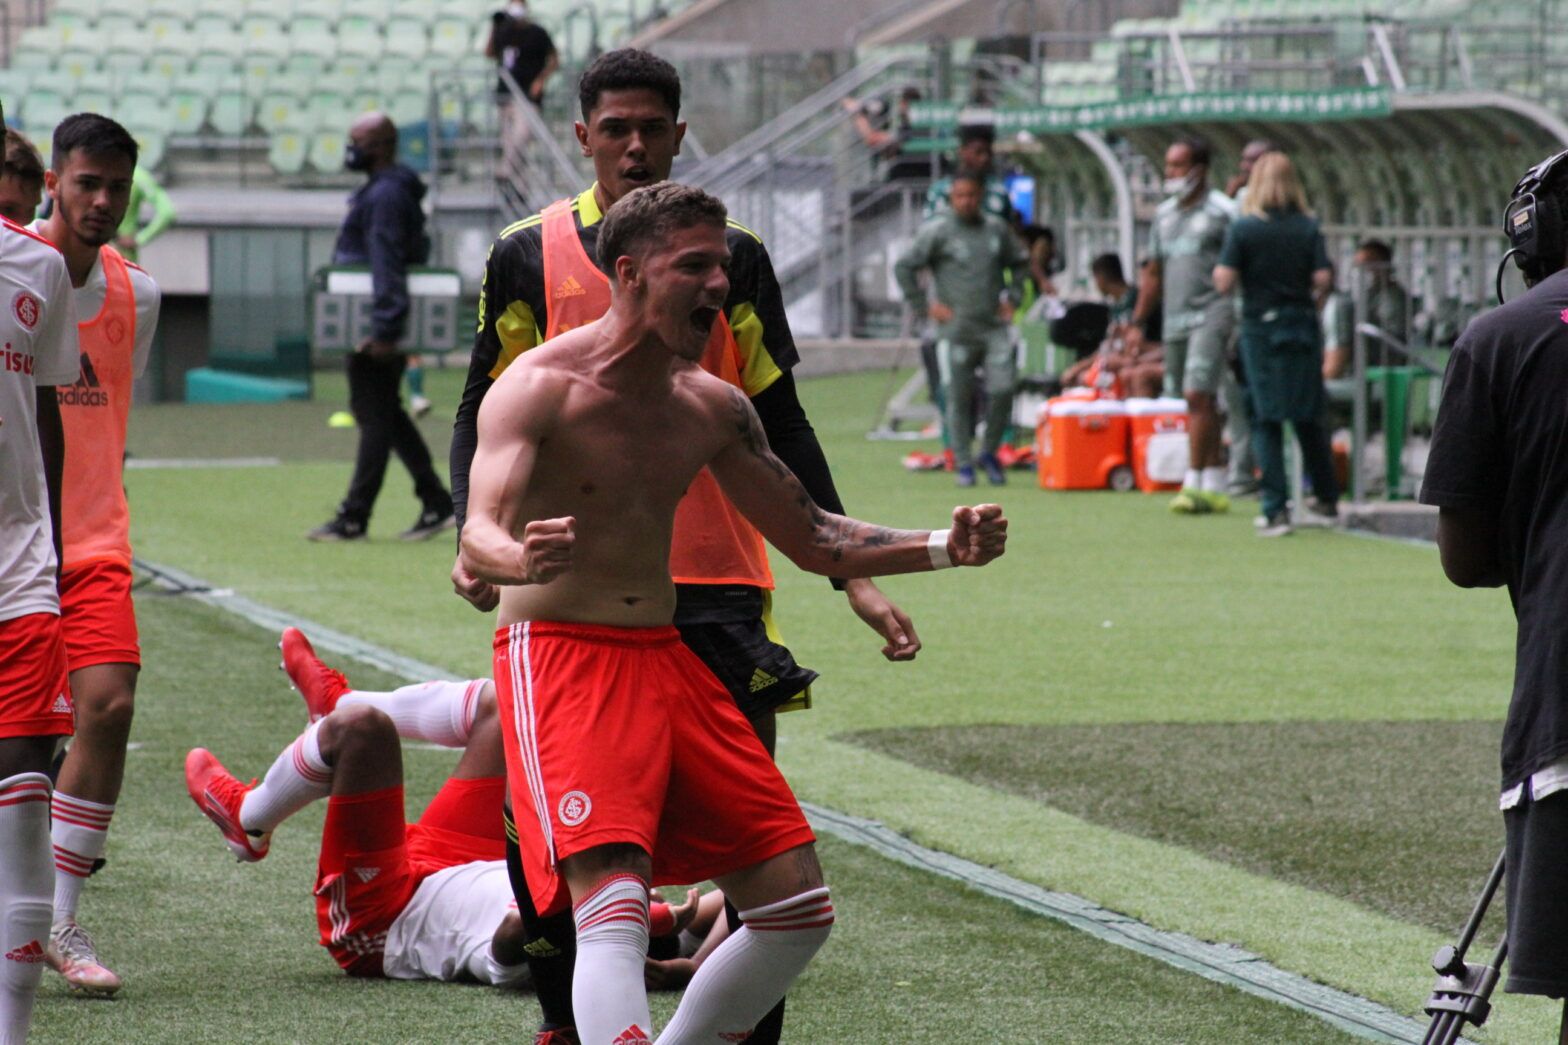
827	530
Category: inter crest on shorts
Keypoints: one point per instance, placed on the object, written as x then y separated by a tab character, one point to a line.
574	808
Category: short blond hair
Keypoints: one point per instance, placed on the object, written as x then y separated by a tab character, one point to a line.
1274	186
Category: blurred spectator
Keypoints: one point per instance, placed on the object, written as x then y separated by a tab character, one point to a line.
1184	245
385	229
976	156
887	134
1386	304
133	235
1236	187
1339	330
523	48
1137	366
21	179
1111	284
1274	252
1044	262
968	252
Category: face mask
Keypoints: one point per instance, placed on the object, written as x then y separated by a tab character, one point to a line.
1180	187
354	158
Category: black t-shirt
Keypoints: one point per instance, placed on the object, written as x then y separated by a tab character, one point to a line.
521	48
1500	444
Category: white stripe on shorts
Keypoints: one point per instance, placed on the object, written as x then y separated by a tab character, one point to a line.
527	731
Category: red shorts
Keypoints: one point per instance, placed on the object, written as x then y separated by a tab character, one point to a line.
35	695
622	735
371	861
100	621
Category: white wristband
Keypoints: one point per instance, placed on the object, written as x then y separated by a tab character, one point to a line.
936	545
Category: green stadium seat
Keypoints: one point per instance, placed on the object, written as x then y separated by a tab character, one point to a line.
288	150
279	109
302	68
139	108
132	9
231	111
360	35
110	27
187	109
92	99
151	147
259	70
216	33
326	149
327	109
13	87
80	37
263	34
313	35
41	110
450	37
180	9
408	106
33	61
419	11
167	65
76	64
81	9
169	33
371	10
126	63
353	67
406	38
216	65
53	81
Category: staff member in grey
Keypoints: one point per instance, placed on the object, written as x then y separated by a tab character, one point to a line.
1184	246
968	252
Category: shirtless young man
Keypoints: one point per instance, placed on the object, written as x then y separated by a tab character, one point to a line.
626	758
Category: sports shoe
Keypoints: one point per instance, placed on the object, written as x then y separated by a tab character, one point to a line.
1189	502
1218	502
1325	509
966	475
319	685
218	794
993	469
419	406
431	521
71	953
1276	525
338	528
557	1036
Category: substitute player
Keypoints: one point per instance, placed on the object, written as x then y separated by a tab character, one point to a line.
542	279
116	309
587	446
37	353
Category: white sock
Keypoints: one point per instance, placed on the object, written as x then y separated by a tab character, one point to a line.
298	778
1194	480
435	712
25	910
749	972
79	834
608	995
1214	480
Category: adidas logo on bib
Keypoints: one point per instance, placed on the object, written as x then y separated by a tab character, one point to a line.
569	288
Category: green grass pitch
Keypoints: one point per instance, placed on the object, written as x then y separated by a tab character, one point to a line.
1287	745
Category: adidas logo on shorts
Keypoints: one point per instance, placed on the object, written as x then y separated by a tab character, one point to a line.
760	680
27	954
61	706
365	874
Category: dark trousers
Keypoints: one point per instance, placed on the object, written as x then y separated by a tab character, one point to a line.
385	428
1268	438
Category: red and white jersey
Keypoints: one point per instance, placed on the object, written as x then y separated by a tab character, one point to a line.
37	348
444	933
87	302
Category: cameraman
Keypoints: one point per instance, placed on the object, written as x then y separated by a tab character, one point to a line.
1499	475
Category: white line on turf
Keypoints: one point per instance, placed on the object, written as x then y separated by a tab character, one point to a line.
1222	963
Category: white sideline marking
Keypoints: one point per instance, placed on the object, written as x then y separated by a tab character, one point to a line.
134	463
1220	962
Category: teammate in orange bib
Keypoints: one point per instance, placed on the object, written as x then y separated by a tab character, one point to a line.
116	308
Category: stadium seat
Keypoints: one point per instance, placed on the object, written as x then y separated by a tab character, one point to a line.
360	35
326	149
408	106
354	68
279	109
170	33
371	10
450	37
259	70
151	147
406	38
33	60
13	87
216	33
287	151
76	64
41	111
312	35
86	10
53	81
263	34
126	62
180	9
187	109
109	9
167	65
230	111
328	109
302	68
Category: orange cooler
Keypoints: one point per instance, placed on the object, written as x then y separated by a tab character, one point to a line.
1081	444
1159	442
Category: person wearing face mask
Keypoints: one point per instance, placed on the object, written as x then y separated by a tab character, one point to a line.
385	229
1184	246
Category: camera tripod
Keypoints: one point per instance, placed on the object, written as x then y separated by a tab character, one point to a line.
1463	990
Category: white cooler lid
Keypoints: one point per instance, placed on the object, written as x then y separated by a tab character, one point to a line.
1146	407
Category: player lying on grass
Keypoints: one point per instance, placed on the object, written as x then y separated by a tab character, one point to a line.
428	900
629	763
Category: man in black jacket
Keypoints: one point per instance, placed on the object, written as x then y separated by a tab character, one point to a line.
385	229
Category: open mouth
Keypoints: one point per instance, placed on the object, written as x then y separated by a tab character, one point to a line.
638	175
702	319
